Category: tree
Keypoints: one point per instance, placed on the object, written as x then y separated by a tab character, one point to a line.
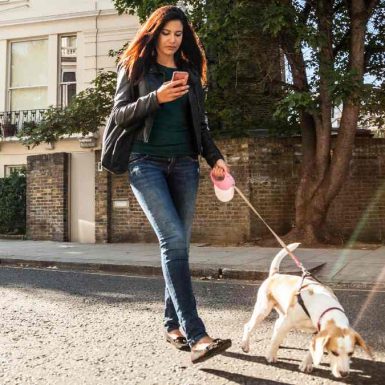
141	8
334	50
335	53
242	59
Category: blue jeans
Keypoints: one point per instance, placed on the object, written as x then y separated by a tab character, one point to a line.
166	189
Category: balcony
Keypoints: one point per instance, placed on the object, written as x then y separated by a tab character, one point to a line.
68	51
12	122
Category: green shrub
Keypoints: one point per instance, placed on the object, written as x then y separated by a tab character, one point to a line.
13	203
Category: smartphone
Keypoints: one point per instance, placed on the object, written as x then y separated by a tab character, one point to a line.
178	75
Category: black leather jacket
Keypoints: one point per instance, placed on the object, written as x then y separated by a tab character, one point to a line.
136	114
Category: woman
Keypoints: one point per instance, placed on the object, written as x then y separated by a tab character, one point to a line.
168	123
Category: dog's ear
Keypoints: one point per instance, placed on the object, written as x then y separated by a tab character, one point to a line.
360	342
317	346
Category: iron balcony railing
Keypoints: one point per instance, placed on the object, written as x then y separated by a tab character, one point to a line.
12	122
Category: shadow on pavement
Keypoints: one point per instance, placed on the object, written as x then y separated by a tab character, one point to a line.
363	372
242	379
105	288
116	288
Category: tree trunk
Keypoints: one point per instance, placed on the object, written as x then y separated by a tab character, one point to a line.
311	213
324	170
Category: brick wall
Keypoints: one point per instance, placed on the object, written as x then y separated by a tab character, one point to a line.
128	223
358	212
219	222
118	224
47	197
273	180
211	223
266	171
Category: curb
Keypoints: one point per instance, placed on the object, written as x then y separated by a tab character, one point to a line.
105	267
13	236
78	266
204	273
255	275
207	273
201	272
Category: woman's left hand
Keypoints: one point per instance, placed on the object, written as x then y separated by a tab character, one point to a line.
220	168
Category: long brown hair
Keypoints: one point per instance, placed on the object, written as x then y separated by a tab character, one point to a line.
141	52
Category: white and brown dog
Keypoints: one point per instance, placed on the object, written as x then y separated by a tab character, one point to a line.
307	305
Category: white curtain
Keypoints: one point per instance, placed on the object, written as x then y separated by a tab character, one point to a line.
29	74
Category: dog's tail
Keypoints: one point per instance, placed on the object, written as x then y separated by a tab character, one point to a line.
274	268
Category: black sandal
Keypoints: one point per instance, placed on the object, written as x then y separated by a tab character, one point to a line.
179	343
216	347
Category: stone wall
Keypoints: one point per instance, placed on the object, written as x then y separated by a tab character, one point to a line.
47	197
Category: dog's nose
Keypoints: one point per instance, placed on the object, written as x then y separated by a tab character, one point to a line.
344	374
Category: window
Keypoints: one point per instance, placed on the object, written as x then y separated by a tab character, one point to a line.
29	75
9	169
67	70
67	87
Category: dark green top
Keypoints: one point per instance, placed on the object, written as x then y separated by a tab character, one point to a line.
170	133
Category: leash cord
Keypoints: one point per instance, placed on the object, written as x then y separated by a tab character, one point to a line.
280	241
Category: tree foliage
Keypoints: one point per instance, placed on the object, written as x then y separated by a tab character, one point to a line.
316	39
84	115
231	34
141	8
335	54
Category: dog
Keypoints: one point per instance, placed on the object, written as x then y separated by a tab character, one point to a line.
320	313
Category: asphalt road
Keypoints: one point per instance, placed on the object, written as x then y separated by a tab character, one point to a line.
79	328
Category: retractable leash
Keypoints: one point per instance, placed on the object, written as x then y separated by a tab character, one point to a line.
224	189
305	272
280	241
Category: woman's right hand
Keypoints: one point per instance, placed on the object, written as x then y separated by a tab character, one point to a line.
171	90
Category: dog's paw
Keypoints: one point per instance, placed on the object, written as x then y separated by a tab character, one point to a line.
306	367
245	346
271	358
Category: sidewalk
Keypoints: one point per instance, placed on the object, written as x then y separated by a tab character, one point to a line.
337	266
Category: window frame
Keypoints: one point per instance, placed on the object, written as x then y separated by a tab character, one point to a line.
64	85
7	171
9	69
73	67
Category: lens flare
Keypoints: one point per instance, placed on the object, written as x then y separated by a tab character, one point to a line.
341	261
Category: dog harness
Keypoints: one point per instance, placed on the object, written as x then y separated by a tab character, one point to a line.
302	303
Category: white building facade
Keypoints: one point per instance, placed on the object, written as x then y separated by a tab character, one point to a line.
49	51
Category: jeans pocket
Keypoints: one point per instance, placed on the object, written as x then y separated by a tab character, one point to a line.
134	157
